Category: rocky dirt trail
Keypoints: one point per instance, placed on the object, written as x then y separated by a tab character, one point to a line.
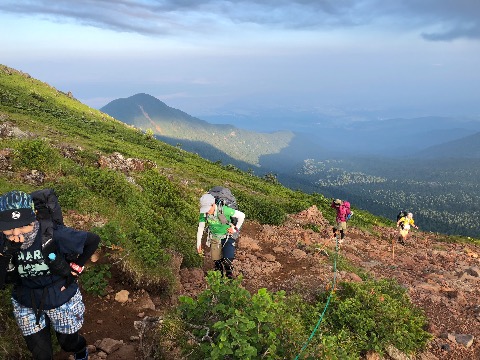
441	278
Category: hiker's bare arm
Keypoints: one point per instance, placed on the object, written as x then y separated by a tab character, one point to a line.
201	228
240	218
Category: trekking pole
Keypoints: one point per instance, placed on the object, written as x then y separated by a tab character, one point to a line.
393	249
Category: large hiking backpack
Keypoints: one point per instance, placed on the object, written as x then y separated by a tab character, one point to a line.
224	197
49	214
401	214
346	204
47	207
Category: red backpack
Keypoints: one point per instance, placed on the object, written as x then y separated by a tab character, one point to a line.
346	204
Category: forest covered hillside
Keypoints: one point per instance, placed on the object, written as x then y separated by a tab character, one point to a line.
176	127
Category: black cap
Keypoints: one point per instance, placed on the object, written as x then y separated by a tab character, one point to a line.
16	210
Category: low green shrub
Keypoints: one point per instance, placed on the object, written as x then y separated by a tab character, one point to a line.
111	234
228	322
109	184
149	248
240	325
35	154
262	209
71	191
95	279
376	314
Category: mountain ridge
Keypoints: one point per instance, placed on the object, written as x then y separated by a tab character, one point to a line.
392	137
466	148
147	112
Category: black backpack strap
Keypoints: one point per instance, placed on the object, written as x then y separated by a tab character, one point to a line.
47	228
58	265
38	310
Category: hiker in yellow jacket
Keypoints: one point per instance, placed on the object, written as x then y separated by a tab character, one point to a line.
404	223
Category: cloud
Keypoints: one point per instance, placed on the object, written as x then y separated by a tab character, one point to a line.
466	31
435	20
150	17
448	20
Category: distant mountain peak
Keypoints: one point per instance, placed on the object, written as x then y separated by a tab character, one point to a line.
144	111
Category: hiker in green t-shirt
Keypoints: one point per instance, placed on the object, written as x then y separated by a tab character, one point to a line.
223	224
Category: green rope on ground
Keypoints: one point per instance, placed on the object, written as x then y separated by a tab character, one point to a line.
328	301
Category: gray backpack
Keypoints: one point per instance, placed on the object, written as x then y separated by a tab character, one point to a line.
224	197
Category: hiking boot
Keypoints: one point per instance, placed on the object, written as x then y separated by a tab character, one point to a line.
82	358
401	242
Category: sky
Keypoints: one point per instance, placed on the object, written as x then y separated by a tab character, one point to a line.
372	58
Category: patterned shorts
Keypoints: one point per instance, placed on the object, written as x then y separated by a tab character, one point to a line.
65	319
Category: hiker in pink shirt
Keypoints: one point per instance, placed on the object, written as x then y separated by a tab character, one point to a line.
343	214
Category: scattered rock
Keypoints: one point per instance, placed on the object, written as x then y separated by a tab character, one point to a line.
445	347
396	354
122	296
371	355
473	271
464	339
116	161
108	345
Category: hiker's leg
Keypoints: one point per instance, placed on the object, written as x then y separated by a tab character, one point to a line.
216	253
40	344
341	226
218	266
75	343
67	320
228	264
228	248
37	337
228	253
